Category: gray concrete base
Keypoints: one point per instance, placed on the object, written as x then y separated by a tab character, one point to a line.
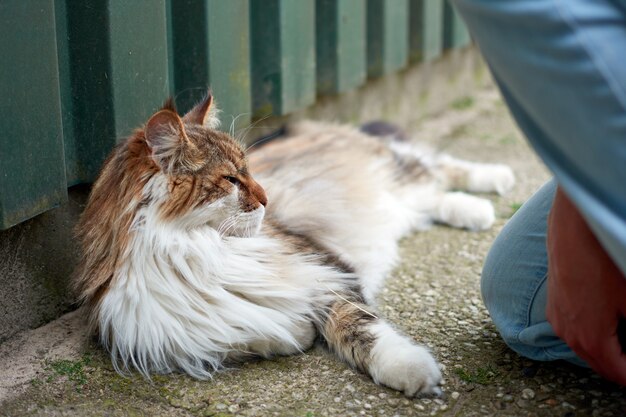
37	258
406	97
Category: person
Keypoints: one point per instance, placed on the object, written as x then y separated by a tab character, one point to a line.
554	280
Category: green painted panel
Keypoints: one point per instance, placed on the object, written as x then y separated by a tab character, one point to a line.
283	55
387	36
455	34
211	47
32	175
139	61
341	50
65	82
426	29
114	57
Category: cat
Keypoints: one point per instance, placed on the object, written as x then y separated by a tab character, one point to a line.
195	254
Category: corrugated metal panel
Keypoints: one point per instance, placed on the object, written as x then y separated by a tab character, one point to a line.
426	29
283	55
211	48
341	49
114	57
83	73
455	34
32	173
387	36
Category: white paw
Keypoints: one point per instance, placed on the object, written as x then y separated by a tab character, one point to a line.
487	178
401	365
466	211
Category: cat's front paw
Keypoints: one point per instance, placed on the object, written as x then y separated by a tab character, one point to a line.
466	211
488	178
404	366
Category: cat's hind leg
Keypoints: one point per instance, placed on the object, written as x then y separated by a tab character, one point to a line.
457	174
371	345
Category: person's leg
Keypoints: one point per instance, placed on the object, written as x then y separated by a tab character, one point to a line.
513	283
561	67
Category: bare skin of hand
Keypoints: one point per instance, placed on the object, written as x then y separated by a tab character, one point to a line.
586	291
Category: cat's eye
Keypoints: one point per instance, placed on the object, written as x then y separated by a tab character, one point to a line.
232	180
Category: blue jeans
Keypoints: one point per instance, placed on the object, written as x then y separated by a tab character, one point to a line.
514	278
561	67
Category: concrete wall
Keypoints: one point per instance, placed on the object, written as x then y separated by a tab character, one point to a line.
36	260
37	257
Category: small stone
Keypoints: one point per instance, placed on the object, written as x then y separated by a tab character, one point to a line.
545	388
420	407
551	402
565	404
233	408
394	402
382	395
221	406
350	388
508	398
371	398
528	394
455	395
350	404
522	403
337	399
368	406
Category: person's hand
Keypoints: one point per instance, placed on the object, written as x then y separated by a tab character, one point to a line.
586	291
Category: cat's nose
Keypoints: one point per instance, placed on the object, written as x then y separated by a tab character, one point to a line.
262	198
258	192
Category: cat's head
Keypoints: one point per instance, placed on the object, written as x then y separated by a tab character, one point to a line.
176	173
202	176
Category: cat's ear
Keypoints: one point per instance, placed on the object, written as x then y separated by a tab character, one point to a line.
166	138
204	113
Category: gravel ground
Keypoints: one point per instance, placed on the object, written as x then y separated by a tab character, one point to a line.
433	296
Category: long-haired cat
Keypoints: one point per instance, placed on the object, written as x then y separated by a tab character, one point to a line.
195	254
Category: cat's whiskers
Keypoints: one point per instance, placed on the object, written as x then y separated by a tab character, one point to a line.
241	135
231	131
228	224
346	300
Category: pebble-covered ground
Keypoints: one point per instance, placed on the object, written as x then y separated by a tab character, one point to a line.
433	296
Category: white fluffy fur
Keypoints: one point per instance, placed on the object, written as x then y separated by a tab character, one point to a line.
189	297
214	285
400	364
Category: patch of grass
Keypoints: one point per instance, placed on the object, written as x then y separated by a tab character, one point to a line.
515	207
482	376
508	139
73	370
463	103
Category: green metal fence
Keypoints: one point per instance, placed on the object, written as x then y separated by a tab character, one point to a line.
78	75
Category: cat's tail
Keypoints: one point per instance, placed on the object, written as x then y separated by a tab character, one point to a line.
385	130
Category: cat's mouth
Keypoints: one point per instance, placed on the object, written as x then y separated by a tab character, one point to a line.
243	224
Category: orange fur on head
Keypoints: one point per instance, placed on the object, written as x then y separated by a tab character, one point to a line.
201	165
